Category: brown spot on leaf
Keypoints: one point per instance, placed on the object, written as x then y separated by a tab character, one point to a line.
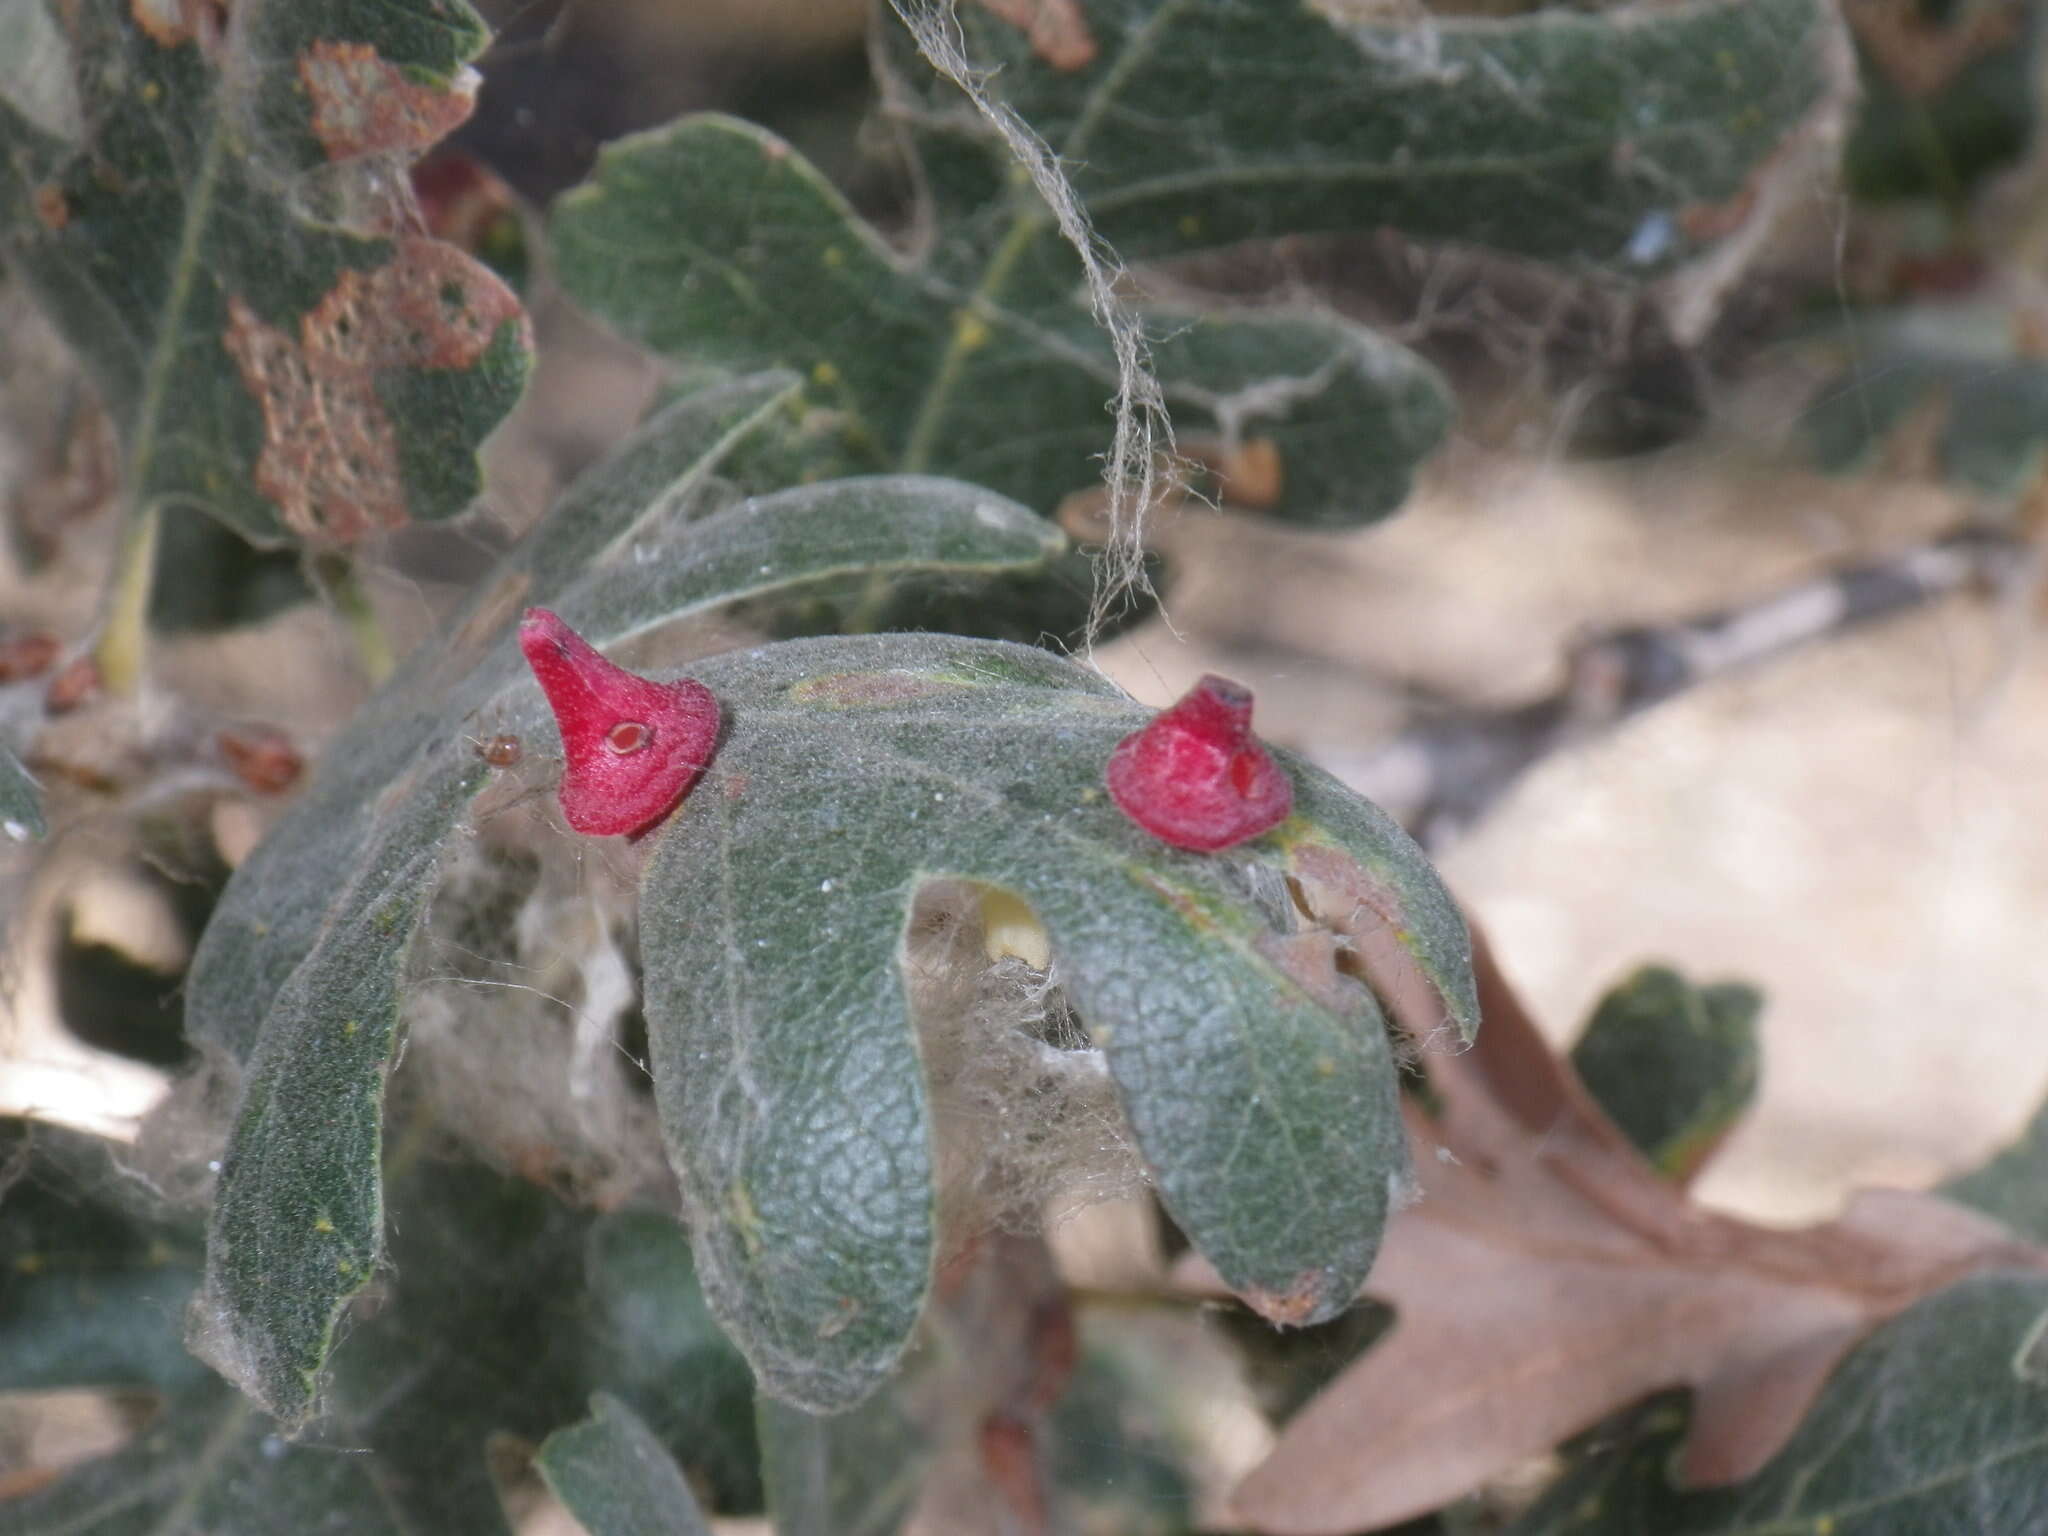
52	211
1310	960
1347	899
363	104
330	452
1291	1307
844	1311
868	690
1179	898
1058	29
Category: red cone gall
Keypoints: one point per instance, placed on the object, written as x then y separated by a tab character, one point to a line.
633	746
1196	777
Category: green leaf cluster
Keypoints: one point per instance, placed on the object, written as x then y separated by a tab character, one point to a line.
1187	128
502	1309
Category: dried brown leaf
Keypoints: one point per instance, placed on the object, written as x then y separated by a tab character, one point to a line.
1548	1277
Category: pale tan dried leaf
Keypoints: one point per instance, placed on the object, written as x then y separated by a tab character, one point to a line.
1548	1277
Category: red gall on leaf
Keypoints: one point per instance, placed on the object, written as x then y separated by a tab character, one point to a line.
1196	777
633	746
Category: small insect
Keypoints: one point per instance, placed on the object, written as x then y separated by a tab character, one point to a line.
1196	777
501	751
633	747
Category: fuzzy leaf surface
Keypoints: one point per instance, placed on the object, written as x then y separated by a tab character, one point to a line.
711	241
1186	126
1200	123
329	379
1258	1079
301	970
1937	1423
616	1478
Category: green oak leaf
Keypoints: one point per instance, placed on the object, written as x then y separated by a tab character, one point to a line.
1259	1079
324	381
1579	138
616	1478
711	241
1552	134
1937	1423
1674	1065
300	973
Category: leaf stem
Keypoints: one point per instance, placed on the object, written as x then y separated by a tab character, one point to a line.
970	330
124	636
340	583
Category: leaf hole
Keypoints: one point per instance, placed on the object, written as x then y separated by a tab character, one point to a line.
628	736
1028	1124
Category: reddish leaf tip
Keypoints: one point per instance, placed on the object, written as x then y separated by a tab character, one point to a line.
1196	777
632	746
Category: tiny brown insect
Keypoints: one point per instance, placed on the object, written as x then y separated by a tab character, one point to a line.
501	751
